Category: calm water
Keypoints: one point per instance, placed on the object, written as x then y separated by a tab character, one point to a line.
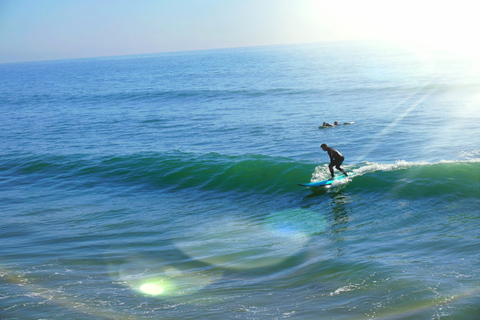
165	186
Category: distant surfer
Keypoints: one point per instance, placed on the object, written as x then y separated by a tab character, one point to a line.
336	123
336	159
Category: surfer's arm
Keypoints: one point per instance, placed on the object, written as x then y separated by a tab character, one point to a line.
330	155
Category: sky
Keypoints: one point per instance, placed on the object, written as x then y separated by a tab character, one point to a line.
32	30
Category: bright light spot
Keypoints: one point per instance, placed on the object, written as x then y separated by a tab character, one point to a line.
152	288
156	277
447	25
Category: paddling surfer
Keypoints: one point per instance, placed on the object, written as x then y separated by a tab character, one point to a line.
326	125
336	159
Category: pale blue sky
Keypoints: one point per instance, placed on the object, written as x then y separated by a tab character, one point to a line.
58	29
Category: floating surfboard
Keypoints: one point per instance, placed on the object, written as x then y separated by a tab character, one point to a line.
322	182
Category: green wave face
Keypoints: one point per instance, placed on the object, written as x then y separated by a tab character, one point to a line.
249	173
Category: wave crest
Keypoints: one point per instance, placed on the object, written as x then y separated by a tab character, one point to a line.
247	173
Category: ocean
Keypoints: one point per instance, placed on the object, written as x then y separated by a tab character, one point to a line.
165	186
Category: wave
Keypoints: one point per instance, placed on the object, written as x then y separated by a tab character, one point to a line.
154	95
244	174
450	180
172	170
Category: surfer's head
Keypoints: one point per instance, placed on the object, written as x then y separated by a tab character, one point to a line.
323	146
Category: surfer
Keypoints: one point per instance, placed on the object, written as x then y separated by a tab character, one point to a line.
336	159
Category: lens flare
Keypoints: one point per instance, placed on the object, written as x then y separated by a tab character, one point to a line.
160	278
152	288
296	223
234	243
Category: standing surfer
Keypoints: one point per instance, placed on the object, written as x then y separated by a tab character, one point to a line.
336	159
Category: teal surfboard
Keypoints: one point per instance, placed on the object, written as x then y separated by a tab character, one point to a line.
322	182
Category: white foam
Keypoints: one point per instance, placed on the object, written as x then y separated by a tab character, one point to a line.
472	155
369	167
322	172
340	182
343	289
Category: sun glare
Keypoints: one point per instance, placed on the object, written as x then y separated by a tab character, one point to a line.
444	25
152	288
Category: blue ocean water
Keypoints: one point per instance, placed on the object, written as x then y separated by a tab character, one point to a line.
164	186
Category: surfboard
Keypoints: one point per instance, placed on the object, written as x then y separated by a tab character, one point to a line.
322	182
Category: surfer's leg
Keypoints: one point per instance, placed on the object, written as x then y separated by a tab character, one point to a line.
340	169
345	173
330	167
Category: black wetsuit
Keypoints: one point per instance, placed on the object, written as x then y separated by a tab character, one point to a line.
336	159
